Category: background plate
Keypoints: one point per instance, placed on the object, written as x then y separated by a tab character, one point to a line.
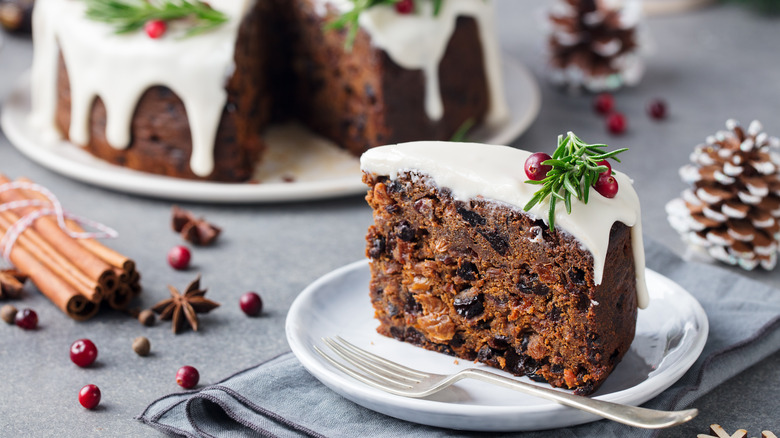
299	164
670	335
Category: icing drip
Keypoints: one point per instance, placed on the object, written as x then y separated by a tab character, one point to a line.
473	170
419	40
120	68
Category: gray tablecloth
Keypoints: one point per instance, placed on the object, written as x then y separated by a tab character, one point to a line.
279	398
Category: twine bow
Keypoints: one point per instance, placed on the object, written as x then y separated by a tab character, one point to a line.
52	207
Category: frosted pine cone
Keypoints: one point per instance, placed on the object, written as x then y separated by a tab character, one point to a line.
593	44
732	210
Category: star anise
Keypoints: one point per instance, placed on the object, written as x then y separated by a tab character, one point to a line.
11	283
192	229
185	307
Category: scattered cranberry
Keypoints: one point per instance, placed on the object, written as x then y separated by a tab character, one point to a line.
606	185
609	167
26	319
83	352
534	169
251	303
657	109
617	123
155	28
187	377
405	6
179	257
604	103
89	396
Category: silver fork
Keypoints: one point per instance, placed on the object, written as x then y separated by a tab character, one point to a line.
397	379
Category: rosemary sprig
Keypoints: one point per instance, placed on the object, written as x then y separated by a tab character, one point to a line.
349	20
131	15
460	135
574	170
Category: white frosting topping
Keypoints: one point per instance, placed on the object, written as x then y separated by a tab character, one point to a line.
120	68
492	172
419	41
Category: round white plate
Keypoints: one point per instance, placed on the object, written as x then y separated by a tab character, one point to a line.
298	165
670	335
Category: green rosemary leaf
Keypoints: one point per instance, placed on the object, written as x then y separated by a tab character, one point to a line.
575	170
131	15
608	155
570	186
437	6
462	132
557	163
551	214
350	20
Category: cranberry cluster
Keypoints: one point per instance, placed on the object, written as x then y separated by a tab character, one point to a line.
617	123
535	170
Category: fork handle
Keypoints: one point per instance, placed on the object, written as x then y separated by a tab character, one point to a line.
626	414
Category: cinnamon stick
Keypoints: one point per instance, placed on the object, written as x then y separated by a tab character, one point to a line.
62	294
90	264
107	254
52	259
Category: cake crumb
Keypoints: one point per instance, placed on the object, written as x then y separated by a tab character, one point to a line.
456	362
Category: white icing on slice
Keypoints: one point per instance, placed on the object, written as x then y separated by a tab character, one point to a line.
120	68
473	170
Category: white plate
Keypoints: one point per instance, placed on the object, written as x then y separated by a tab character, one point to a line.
670	335
316	167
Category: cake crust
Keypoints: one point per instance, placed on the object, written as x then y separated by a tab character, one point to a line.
484	281
161	141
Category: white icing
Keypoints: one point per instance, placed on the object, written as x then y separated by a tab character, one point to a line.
120	68
419	41
473	170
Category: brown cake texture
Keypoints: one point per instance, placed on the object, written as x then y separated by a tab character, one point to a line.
484	281
360	98
288	65
160	132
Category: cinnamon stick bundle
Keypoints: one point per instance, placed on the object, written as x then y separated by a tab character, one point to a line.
75	274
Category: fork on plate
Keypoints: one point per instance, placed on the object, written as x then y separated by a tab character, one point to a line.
388	376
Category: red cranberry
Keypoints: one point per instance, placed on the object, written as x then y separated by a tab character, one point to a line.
83	352
89	396
405	6
251	303
609	167
606	185
26	319
179	257
617	123
155	28
604	103
187	377
657	109
534	169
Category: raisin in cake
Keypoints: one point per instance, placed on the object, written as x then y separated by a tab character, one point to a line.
458	267
197	107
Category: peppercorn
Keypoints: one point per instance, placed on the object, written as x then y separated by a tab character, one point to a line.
141	346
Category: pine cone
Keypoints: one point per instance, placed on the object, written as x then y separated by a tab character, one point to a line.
732	209
593	45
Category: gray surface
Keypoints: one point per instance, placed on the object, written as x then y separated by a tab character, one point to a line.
709	65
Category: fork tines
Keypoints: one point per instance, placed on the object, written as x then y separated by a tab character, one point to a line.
376	371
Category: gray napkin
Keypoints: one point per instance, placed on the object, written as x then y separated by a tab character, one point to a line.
280	398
